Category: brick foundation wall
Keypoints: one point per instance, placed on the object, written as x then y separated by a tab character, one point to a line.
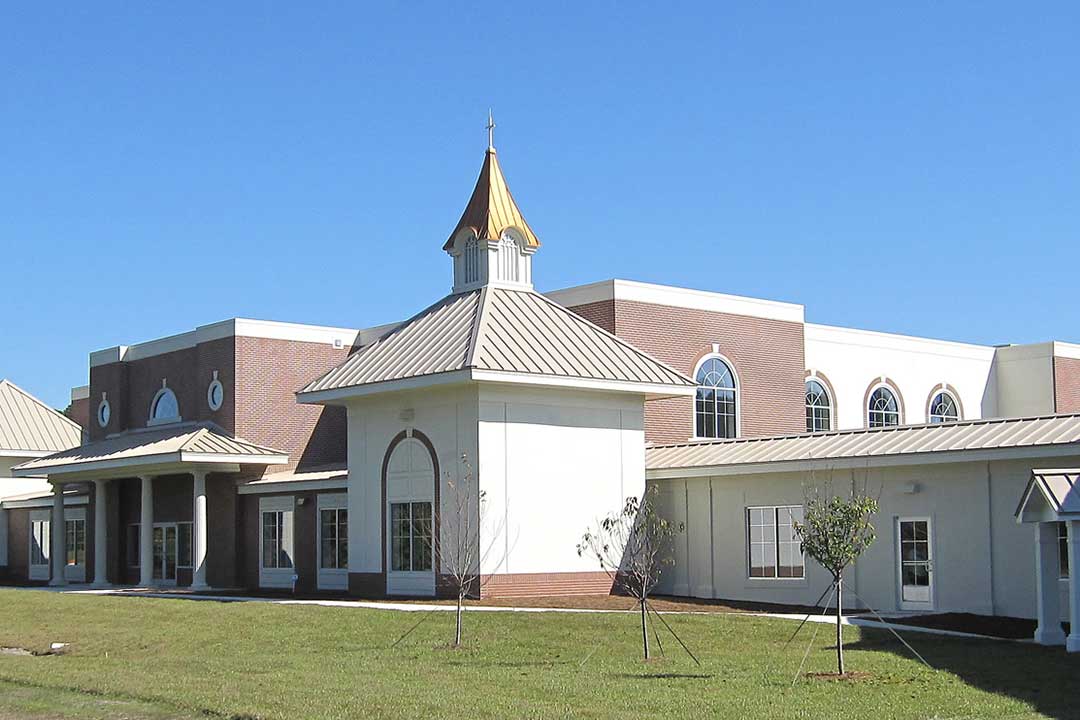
768	356
511	585
1066	385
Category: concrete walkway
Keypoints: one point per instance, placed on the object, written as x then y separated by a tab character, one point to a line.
828	619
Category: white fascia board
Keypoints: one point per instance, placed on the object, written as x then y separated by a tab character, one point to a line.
201	458
339	396
891	341
651	390
857	463
241	327
1066	350
29	454
174	461
671	296
261	487
45	501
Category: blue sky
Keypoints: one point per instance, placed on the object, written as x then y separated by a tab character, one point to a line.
913	168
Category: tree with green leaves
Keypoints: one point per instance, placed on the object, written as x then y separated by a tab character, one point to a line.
835	531
633	546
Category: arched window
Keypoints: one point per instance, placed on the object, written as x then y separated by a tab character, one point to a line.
883	409
944	408
818	407
472	260
164	407
715	406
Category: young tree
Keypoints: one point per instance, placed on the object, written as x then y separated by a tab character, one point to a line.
633	547
468	541
835	532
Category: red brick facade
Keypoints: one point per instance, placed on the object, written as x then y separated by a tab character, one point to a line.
1066	385
767	355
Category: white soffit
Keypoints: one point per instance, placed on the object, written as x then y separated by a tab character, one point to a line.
677	297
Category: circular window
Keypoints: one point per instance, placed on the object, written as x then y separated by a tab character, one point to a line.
104	412
215	395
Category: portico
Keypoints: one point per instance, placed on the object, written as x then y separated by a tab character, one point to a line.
1050	503
191	456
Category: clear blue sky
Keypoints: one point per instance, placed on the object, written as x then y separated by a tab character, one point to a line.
912	169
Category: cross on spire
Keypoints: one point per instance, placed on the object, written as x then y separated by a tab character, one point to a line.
491	130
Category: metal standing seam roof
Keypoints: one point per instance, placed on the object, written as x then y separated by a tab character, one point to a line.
499	330
879	442
27	424
491	208
175	444
1056	488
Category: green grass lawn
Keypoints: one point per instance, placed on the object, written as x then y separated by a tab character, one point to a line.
143	658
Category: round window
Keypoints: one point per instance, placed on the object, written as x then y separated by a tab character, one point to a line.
104	412
215	395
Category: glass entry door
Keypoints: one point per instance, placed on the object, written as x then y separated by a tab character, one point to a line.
165	553
916	564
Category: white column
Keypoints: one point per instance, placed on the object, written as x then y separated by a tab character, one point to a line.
146	533
58	551
101	549
1072	644
198	532
1047	569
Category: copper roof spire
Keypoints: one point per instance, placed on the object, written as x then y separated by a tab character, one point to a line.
491	209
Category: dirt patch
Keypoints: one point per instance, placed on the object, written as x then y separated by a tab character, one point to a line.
1003	627
850	676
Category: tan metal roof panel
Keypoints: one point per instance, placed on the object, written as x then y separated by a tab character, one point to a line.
879	442
27	424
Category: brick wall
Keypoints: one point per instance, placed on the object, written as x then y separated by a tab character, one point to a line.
79	411
768	356
1066	385
270	372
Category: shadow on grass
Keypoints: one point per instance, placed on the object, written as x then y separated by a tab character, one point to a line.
1042	677
665	676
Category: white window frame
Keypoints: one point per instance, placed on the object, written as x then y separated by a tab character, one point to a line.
331	578
896	398
923	600
828	394
408	483
776	542
930	407
278	577
40	527
716	354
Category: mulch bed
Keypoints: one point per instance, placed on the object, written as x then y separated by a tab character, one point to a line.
994	626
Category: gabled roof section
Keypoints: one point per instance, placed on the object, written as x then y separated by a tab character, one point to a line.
491	208
1050	496
29	427
499	334
941	442
178	444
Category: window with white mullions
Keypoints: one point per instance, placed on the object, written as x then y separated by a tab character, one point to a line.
75	541
275	551
411	533
943	408
774	547
818	407
916	566
39	543
715	404
883	409
334	534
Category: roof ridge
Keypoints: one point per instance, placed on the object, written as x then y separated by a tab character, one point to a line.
641	353
859	431
479	326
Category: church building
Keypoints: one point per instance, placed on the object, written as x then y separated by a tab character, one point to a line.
263	456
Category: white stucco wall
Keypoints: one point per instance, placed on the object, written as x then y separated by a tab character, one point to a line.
551	463
447	416
852	360
983	560
10	486
1025	379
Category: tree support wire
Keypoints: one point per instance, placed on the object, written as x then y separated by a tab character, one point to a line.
675	635
813	636
893	631
418	623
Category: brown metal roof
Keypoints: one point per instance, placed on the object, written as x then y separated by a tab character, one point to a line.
1045	431
498	330
174	444
29	425
491	208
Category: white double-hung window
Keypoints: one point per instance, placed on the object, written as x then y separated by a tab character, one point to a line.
276	541
773	548
333	541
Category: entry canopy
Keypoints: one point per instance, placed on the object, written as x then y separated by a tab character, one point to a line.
1050	496
158	450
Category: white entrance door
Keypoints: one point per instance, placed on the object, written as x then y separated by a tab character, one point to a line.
75	544
165	535
333	541
40	541
276	566
410	498
916	563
